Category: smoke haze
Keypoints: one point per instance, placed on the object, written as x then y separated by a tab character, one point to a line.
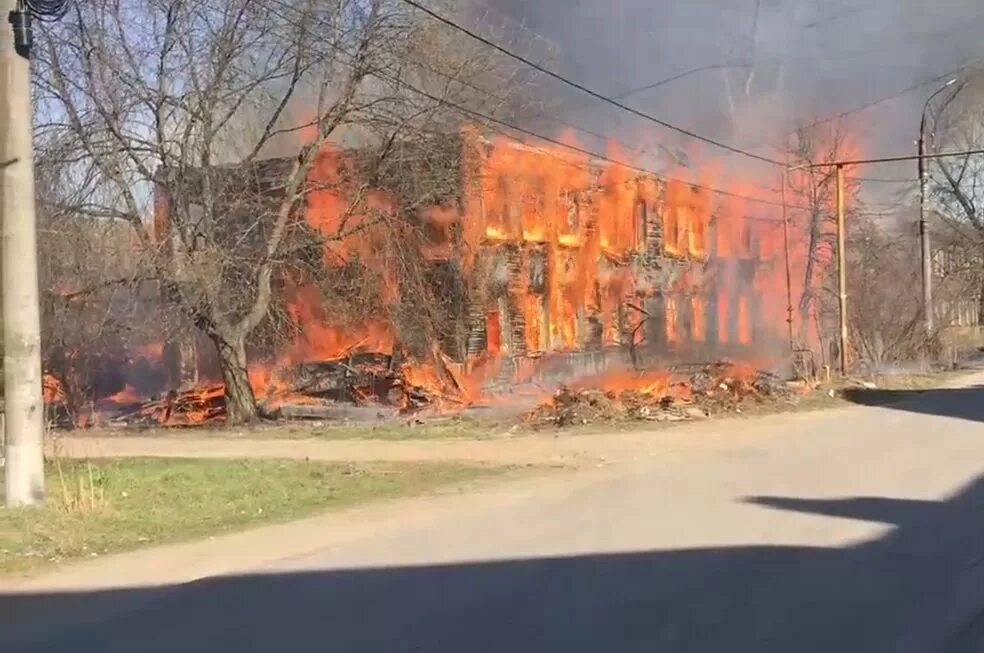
761	66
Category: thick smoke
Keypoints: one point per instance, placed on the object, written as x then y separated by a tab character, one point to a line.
763	66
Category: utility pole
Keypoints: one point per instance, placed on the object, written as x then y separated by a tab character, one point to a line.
841	254
23	405
841	269
926	254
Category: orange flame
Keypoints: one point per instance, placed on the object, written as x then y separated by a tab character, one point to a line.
578	238
128	395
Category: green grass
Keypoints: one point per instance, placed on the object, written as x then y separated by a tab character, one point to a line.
142	501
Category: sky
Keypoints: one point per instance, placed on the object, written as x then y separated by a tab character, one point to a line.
763	66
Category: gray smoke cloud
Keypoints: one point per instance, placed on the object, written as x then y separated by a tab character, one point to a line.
744	71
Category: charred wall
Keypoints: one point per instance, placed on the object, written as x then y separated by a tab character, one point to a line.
684	299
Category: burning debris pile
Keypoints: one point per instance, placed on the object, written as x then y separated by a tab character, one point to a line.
197	406
683	394
368	385
312	390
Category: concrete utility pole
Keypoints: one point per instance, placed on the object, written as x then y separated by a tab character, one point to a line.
842	269
23	406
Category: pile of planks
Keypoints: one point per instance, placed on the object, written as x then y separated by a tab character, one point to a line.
202	405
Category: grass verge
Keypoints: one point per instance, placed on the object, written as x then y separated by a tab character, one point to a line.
390	430
108	506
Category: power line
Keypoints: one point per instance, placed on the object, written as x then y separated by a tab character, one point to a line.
554	119
47	10
784	61
574	148
539	116
886	159
884	181
848	11
580	150
585	89
678	76
897	94
620	105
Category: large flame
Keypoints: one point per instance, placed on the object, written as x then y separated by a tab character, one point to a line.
578	240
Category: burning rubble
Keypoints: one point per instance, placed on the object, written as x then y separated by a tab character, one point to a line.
317	390
307	391
676	396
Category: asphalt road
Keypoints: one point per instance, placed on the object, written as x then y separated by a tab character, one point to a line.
858	531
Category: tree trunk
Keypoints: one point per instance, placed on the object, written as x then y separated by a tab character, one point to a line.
806	298
239	398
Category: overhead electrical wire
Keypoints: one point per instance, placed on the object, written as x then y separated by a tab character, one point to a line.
574	148
914	87
46	10
585	89
678	76
554	119
884	181
785	61
600	157
533	134
886	159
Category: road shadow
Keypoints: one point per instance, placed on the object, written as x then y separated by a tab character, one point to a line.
904	591
963	403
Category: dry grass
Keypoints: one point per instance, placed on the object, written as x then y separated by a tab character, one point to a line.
81	496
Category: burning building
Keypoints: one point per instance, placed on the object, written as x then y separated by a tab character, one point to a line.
587	265
551	263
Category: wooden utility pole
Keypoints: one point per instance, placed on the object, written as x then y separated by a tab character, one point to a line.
23	406
841	269
925	248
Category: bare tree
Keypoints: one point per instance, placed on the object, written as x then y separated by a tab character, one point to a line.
191	103
957	184
883	268
815	189
91	277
